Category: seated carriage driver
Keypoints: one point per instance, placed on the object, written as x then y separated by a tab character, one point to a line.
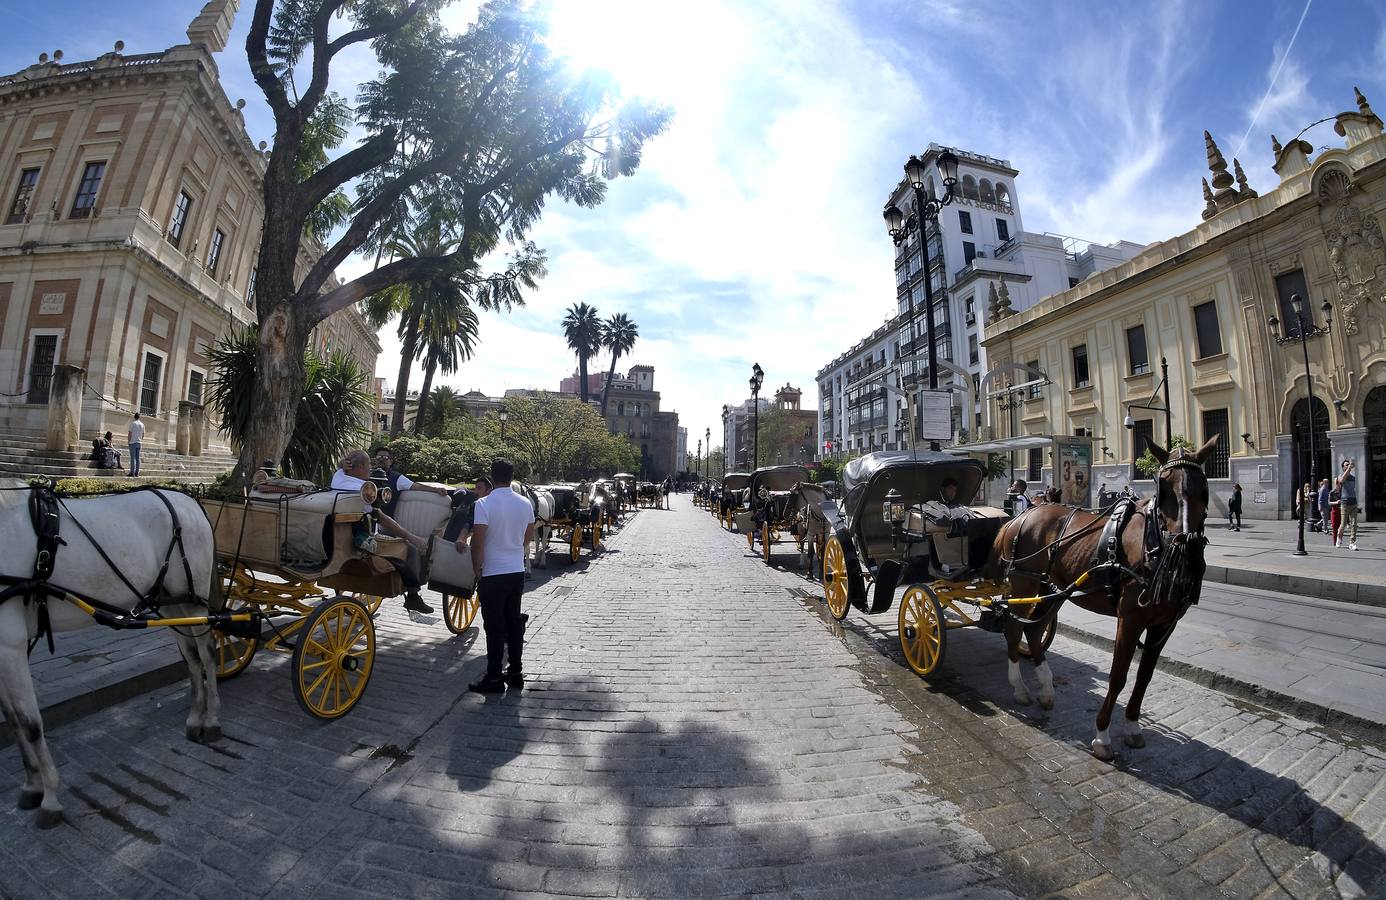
355	472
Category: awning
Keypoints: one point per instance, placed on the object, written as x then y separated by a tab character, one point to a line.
1006	445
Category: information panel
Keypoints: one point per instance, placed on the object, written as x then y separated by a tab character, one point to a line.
936	415
1074	470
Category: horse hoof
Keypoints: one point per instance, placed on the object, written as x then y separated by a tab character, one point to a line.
211	734
28	801
1022	699
49	818
1103	751
1135	740
1046	702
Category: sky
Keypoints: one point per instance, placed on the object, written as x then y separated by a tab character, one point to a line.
752	231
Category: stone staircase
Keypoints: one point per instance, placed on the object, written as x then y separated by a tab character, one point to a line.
24	455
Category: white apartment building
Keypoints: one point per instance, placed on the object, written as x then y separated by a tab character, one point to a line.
735	419
980	258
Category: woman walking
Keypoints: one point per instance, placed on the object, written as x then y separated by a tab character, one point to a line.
1234	508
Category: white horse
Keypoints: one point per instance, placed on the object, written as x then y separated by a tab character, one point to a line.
543	515
135	530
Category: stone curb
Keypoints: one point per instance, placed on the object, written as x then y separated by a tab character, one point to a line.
1307	710
1341	590
70	709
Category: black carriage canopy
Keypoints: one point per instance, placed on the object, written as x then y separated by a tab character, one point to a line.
777	478
565	500
918	476
736	481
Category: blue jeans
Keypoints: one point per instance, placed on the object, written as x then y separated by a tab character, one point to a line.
135	458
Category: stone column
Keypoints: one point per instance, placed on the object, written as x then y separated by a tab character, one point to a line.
65	407
197	427
184	433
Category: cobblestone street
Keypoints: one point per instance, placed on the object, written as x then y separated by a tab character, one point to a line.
696	725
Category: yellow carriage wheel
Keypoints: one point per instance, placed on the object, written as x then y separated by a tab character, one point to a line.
835	590
1050	628
333	657
765	542
923	633
575	544
233	653
751	539
596	534
458	612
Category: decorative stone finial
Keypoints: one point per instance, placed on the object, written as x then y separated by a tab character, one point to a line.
1210	207
1222	181
240	104
119	46
57	56
993	301
1243	188
1275	145
1003	302
43	57
1362	105
1359	126
263	145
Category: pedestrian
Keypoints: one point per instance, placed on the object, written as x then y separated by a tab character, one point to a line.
1016	495
1347	505
398	481
1321	509
459	527
1234	508
503	525
1335	513
134	437
355	471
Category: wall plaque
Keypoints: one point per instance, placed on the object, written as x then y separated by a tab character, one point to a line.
1258	497
1265	474
52	304
158	325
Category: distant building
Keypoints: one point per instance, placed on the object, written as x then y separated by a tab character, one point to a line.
794	445
129	235
736	424
633	410
595	382
681	448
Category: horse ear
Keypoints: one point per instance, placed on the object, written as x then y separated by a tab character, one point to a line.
1160	453
1206	449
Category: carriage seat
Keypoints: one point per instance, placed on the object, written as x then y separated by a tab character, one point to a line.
960	537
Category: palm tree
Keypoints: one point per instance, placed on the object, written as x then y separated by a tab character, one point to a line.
447	337
618	336
408	301
583	331
445	402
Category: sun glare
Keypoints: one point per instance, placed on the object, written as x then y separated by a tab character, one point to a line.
653	48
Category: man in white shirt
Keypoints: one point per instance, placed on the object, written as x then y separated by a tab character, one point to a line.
134	437
503	526
355	472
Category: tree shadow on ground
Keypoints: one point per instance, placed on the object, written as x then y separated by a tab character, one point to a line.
1187	755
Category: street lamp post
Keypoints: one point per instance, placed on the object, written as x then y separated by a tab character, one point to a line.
502	415
698	460
726	442
1302	333
757	379
707	460
926	210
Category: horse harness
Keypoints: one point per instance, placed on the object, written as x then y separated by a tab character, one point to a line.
44	506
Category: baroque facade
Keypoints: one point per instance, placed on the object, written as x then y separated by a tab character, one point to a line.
1203	300
129	234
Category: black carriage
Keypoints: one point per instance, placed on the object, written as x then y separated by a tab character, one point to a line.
772	505
574	517
735	486
905	520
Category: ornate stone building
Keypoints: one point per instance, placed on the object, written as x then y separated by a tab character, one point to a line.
129	231
1203	301
633	410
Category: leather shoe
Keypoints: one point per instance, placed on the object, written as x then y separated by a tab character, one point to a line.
414	603
487	686
515	680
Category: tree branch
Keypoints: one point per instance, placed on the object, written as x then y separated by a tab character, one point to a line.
260	67
410	268
374	151
324	51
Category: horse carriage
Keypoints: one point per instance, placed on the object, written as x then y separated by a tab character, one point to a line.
777	498
606	493
625	487
650	495
566	512
735	488
902	522
289	549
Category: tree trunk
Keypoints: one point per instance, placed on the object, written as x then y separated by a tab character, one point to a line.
422	412
406	364
582	378
606	388
280	374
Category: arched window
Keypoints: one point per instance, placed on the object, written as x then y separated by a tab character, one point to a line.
1003	194
987	195
969	188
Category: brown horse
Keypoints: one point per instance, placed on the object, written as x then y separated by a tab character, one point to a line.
1140	561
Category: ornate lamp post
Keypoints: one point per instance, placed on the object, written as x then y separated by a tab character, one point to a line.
757	379
502	415
1302	333
698	459
707	460
926	210
726	415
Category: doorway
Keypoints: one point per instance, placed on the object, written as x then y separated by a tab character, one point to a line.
1299	434
1374	418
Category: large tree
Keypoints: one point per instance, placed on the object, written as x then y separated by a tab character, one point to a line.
583	332
488	123
618	336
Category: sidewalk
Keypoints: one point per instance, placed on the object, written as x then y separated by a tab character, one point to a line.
1261	555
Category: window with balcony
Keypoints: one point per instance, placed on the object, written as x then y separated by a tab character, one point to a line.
214	252
969	252
1286	286
1206	326
181	210
1035	389
972	352
1080	366
1136	353
23	193
1003	231
965	221
87	189
1034	464
1215	423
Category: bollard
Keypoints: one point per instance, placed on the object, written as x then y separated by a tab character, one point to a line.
65	407
183	438
197	427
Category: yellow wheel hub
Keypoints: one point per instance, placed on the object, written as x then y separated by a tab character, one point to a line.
923	632
333	657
